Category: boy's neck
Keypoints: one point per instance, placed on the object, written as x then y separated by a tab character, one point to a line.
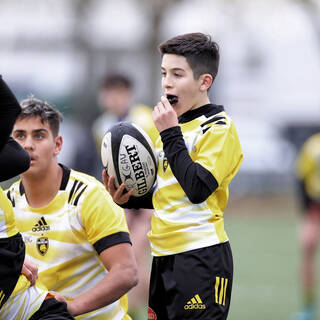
41	190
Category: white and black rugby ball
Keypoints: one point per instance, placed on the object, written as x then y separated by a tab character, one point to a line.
128	154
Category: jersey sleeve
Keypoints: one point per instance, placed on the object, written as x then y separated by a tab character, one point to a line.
304	163
103	220
219	151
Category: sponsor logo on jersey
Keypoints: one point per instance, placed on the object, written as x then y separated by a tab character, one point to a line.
151	314
41	226
43	245
195	303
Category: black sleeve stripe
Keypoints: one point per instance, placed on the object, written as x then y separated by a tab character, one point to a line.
212	120
218	122
111	240
79	195
72	190
11	199
78	187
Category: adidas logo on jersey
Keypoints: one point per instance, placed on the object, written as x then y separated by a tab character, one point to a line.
195	303
41	226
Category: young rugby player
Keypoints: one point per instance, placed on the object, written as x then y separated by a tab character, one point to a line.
19	300
72	229
199	153
308	173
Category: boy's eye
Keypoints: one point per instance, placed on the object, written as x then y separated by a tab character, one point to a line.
38	136
19	136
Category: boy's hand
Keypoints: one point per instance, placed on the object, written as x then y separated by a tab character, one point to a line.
30	271
164	116
117	194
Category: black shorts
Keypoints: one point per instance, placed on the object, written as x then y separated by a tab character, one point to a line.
51	309
193	285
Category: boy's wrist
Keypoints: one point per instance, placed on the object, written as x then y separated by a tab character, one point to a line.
170	133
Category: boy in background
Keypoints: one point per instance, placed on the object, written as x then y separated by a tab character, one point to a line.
308	174
199	153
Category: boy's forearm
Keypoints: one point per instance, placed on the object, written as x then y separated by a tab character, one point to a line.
197	182
111	288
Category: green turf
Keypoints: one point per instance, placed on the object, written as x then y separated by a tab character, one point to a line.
266	263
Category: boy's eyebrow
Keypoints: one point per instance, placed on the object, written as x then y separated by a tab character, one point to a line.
174	69
33	131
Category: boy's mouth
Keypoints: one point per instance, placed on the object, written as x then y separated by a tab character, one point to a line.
172	99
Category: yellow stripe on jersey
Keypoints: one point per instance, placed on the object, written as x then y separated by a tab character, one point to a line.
24	301
59	238
7	223
308	166
177	224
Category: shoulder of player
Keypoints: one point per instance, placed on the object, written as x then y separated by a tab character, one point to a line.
82	184
13	189
217	122
310	147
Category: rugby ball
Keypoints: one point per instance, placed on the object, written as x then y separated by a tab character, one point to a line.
128	154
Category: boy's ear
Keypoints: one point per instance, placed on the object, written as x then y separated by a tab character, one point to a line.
58	142
205	82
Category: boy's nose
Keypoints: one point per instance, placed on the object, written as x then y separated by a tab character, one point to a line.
28	144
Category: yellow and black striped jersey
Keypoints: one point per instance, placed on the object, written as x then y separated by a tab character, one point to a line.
7	222
308	167
66	237
179	225
24	300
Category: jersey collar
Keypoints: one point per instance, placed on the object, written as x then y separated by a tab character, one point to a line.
64	181
206	110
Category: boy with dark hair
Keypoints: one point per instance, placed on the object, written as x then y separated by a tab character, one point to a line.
199	153
71	227
20	297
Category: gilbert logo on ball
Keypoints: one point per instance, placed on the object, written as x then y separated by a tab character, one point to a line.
128	154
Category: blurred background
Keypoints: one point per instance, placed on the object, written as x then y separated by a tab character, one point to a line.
268	82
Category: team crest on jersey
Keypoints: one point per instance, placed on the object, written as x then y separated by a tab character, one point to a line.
43	245
165	164
151	314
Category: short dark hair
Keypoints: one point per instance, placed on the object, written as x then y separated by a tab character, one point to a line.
33	107
201	52
115	80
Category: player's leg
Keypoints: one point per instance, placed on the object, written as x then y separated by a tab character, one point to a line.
309	239
139	225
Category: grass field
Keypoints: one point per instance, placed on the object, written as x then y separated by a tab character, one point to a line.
264	238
